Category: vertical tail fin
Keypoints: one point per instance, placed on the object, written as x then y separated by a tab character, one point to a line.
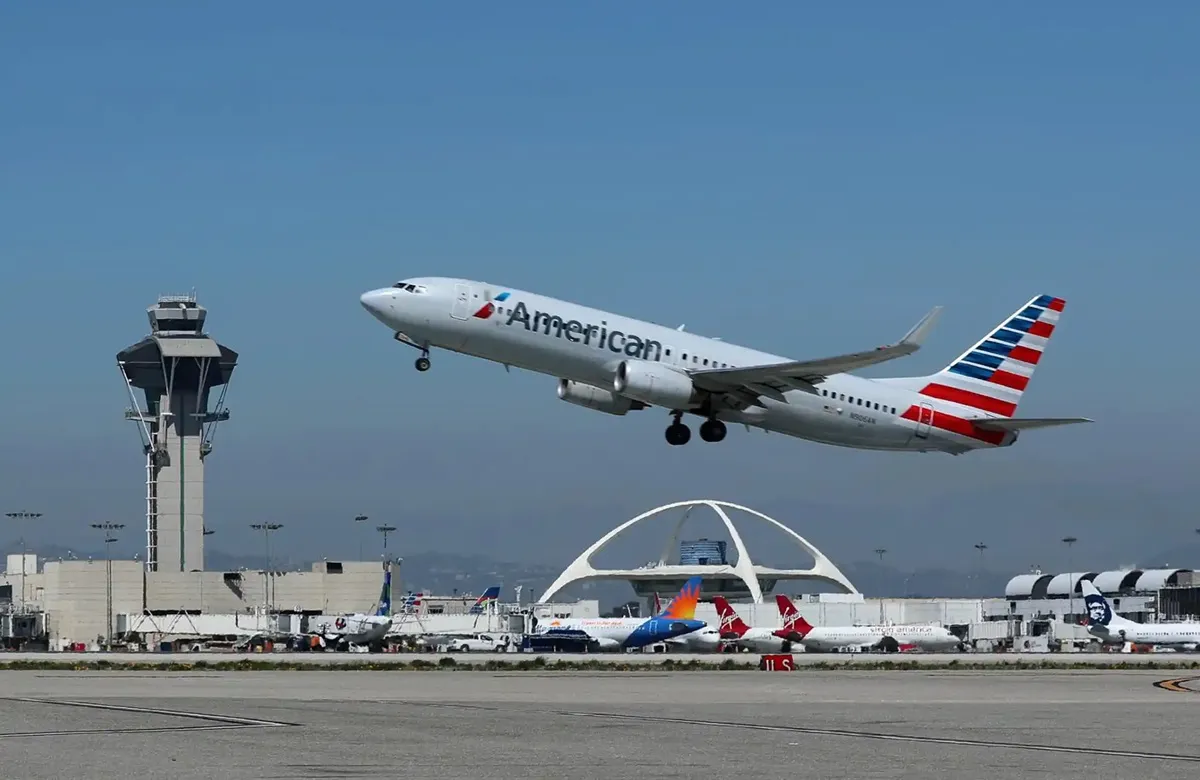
657	604
731	623
992	375
492	594
683	606
793	621
385	596
1100	613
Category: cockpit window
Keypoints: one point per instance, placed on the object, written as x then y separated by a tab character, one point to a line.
407	287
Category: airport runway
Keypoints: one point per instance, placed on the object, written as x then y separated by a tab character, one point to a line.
505	725
800	659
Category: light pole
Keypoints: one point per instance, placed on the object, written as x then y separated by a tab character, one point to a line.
109	530
385	530
358	521
266	529
19	517
1068	541
979	575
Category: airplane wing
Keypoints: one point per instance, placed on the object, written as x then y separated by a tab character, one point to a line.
773	380
1024	423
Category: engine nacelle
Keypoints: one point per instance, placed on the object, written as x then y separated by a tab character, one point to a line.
655	384
596	398
606	643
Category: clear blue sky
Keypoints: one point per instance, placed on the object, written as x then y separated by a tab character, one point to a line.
801	178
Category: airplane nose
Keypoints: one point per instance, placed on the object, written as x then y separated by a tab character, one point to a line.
375	301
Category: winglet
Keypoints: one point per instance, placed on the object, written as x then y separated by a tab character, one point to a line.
916	336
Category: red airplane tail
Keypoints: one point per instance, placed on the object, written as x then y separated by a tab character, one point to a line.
793	621
731	624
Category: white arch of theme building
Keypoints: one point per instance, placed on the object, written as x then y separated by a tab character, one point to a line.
823	569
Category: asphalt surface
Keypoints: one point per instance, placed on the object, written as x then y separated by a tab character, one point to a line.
493	725
800	659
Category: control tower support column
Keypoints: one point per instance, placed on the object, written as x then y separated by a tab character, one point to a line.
176	367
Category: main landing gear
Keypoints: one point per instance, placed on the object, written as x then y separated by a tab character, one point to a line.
712	430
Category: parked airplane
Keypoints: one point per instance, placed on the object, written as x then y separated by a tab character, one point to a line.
887	638
759	639
614	364
358	628
1111	628
706	640
627	633
485	600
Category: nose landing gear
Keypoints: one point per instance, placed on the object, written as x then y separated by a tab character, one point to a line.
423	363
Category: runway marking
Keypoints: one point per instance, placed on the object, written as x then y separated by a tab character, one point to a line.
825	732
211	722
1178	685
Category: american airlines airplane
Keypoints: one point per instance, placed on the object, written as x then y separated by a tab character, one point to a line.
1111	628
887	638
615	364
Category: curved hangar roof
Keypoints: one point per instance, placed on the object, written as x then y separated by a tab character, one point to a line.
1040	586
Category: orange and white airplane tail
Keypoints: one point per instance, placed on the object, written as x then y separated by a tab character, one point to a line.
793	622
732	626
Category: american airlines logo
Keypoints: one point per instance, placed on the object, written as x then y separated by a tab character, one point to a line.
588	334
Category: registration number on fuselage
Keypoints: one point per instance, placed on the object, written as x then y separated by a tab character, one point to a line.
862	418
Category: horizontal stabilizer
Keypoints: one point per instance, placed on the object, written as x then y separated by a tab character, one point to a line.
1024	423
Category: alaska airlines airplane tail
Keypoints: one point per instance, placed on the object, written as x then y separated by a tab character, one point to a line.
992	375
793	621
1100	613
683	606
492	594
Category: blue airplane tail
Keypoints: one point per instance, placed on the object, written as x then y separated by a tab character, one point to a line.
683	606
385	596
489	596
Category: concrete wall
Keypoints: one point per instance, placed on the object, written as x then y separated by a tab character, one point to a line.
181	486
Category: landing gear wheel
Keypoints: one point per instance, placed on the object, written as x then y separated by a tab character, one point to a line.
712	430
678	434
423	363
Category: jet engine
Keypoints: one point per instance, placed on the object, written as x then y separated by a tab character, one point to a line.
655	384
605	643
596	398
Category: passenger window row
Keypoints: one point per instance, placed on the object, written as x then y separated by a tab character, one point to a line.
858	401
699	361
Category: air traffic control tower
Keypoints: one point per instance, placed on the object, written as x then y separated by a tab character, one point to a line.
176	367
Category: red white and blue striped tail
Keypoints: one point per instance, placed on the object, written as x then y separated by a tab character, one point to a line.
992	375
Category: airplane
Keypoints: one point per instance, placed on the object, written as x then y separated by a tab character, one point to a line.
1111	628
677	619
358	629
759	639
886	638
614	364
706	640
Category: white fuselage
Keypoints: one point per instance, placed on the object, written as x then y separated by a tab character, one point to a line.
763	640
706	640
359	629
1121	630
925	637
586	346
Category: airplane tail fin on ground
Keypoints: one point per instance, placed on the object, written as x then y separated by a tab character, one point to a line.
1100	613
992	375
731	623
793	621
683	606
385	596
492	594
